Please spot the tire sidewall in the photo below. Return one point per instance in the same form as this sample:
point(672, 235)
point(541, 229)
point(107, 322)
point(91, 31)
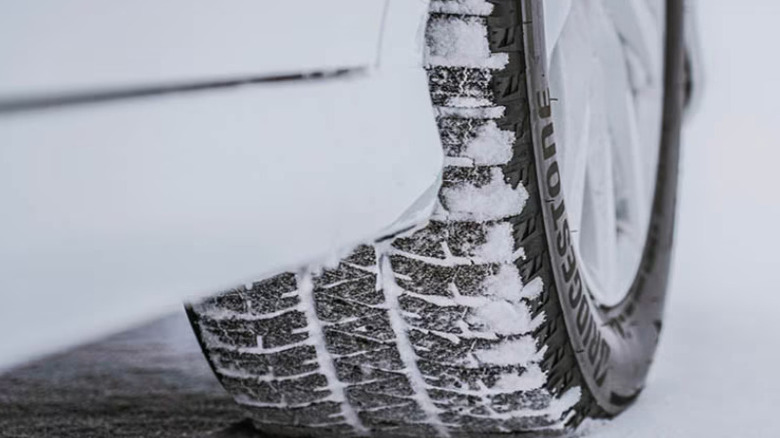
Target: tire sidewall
point(614, 346)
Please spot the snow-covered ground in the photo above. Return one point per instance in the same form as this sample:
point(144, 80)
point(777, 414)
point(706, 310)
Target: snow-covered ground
point(716, 371)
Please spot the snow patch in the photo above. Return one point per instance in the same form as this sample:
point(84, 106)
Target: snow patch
point(461, 42)
point(496, 200)
point(563, 403)
point(503, 318)
point(511, 352)
point(532, 289)
point(506, 284)
point(531, 378)
point(491, 146)
point(464, 7)
point(492, 112)
point(458, 162)
point(468, 102)
point(499, 245)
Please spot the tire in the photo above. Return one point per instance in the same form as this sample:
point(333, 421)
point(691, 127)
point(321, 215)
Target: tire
point(476, 323)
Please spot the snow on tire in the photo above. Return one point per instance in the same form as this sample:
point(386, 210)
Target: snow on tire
point(455, 328)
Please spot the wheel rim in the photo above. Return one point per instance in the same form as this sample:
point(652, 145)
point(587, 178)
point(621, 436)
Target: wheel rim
point(606, 74)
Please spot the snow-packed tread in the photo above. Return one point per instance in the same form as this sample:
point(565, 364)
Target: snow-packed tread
point(448, 330)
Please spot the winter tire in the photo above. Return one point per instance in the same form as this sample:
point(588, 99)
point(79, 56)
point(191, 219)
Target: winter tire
point(480, 322)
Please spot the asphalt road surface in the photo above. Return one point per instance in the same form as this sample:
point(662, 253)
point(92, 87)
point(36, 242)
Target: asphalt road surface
point(147, 382)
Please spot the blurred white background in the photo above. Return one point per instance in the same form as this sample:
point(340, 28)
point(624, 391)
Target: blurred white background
point(716, 371)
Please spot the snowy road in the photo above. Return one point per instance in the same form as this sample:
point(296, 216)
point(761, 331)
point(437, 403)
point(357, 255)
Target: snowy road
point(152, 381)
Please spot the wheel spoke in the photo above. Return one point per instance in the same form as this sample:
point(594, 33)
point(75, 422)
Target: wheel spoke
point(599, 239)
point(606, 72)
point(574, 183)
point(556, 13)
point(633, 204)
point(638, 28)
point(573, 116)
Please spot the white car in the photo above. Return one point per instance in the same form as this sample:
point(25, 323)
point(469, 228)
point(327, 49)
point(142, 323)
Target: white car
point(428, 218)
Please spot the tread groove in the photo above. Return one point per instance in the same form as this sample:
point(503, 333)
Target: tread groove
point(405, 348)
point(326, 365)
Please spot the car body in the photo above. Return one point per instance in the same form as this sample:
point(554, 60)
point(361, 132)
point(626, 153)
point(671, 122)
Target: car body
point(153, 152)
